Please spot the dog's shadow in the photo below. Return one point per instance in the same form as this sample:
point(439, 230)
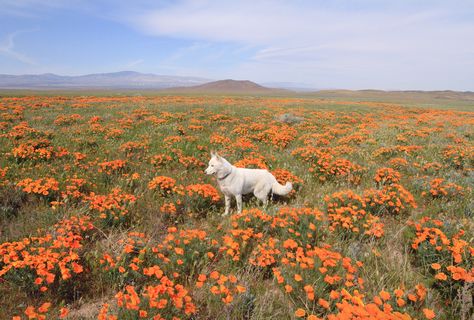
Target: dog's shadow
point(280, 199)
point(249, 200)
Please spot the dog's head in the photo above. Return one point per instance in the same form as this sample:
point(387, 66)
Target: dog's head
point(216, 164)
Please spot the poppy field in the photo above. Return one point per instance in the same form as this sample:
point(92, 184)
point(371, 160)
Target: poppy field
point(106, 213)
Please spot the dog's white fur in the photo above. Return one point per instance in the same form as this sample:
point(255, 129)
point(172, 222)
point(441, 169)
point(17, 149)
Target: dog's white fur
point(236, 182)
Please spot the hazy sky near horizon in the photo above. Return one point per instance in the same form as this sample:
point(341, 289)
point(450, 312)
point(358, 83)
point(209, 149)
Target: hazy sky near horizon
point(351, 44)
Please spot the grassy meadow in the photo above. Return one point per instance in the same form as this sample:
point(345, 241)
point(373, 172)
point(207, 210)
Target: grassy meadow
point(106, 213)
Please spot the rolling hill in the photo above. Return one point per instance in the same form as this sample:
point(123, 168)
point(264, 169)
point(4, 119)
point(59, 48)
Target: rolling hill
point(229, 86)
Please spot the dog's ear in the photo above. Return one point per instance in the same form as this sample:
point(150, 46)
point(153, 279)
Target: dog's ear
point(213, 154)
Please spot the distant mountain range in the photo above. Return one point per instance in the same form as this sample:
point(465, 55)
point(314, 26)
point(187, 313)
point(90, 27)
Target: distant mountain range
point(131, 80)
point(114, 80)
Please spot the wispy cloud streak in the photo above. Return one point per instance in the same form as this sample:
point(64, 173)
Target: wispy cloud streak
point(7, 48)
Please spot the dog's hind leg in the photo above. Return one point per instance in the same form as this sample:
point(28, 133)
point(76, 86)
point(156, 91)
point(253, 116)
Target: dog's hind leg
point(227, 205)
point(238, 199)
point(261, 192)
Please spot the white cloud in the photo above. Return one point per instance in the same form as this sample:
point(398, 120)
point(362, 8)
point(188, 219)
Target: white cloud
point(7, 48)
point(270, 22)
point(363, 41)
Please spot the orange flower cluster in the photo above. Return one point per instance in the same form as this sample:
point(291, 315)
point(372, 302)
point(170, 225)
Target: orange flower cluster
point(245, 129)
point(356, 138)
point(400, 298)
point(284, 176)
point(392, 198)
point(62, 120)
point(195, 127)
point(222, 286)
point(432, 166)
point(257, 162)
point(387, 176)
point(114, 166)
point(171, 140)
point(398, 163)
point(75, 189)
point(310, 154)
point(453, 255)
point(194, 197)
point(326, 167)
point(255, 218)
point(37, 263)
point(353, 308)
point(305, 224)
point(168, 208)
point(337, 168)
point(243, 143)
point(278, 136)
point(190, 162)
point(440, 188)
point(95, 119)
point(164, 184)
point(22, 130)
point(206, 191)
point(248, 227)
point(133, 245)
point(384, 305)
point(44, 186)
point(163, 296)
point(217, 139)
point(396, 150)
point(347, 212)
point(160, 160)
point(174, 255)
point(112, 207)
point(3, 173)
point(459, 156)
point(114, 133)
point(133, 147)
point(43, 312)
point(154, 301)
point(311, 275)
point(185, 249)
point(265, 254)
point(34, 150)
point(446, 258)
point(237, 239)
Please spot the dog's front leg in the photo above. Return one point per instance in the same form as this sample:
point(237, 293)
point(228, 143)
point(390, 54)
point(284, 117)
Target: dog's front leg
point(265, 203)
point(238, 199)
point(227, 204)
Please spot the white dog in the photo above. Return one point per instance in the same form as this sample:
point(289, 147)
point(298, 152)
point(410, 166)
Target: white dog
point(235, 182)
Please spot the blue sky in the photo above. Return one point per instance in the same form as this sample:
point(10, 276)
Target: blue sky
point(352, 44)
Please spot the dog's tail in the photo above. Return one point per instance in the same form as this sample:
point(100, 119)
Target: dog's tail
point(282, 190)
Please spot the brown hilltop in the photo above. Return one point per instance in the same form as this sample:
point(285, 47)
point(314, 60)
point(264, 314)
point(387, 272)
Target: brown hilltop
point(228, 86)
